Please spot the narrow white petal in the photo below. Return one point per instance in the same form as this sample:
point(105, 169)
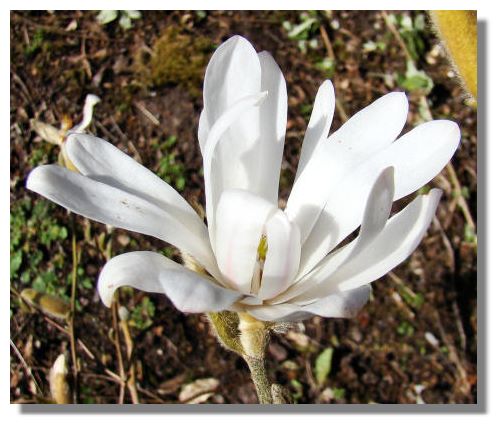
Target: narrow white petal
point(374, 127)
point(105, 163)
point(152, 272)
point(397, 241)
point(240, 223)
point(311, 190)
point(278, 313)
point(375, 217)
point(114, 206)
point(233, 72)
point(400, 237)
point(217, 179)
point(366, 133)
point(283, 255)
point(203, 130)
point(319, 124)
point(417, 157)
point(344, 304)
point(341, 303)
point(273, 117)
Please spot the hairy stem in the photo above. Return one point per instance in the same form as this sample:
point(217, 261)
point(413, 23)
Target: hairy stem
point(260, 380)
point(254, 339)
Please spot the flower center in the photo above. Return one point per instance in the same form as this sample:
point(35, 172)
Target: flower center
point(261, 254)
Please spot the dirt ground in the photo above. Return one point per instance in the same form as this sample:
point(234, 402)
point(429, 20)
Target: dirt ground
point(414, 342)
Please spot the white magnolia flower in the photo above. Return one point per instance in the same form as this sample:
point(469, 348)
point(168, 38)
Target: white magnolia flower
point(275, 265)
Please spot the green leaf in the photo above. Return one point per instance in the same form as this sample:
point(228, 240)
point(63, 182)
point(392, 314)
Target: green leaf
point(15, 262)
point(323, 365)
point(142, 314)
point(133, 14)
point(415, 80)
point(338, 393)
point(106, 16)
point(125, 22)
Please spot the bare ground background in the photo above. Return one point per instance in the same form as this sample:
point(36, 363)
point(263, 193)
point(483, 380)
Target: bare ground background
point(415, 341)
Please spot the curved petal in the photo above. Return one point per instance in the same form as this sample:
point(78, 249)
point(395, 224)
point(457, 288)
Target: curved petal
point(273, 117)
point(366, 133)
point(340, 304)
point(283, 255)
point(217, 179)
point(203, 130)
point(376, 214)
point(400, 237)
point(240, 222)
point(278, 313)
point(398, 240)
point(103, 162)
point(114, 206)
point(319, 124)
point(417, 157)
point(152, 272)
point(233, 72)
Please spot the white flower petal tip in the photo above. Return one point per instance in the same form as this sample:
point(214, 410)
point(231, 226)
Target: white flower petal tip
point(152, 272)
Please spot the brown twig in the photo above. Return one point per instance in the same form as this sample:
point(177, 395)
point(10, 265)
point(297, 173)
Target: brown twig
point(131, 381)
point(392, 28)
point(27, 369)
point(331, 55)
point(130, 144)
point(118, 351)
point(56, 30)
point(71, 318)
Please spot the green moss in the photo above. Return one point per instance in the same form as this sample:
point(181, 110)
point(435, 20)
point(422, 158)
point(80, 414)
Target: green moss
point(175, 58)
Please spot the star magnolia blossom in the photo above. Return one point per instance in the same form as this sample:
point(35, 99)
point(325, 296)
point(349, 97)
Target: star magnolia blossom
point(275, 265)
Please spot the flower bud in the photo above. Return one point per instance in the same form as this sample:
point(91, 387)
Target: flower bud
point(60, 389)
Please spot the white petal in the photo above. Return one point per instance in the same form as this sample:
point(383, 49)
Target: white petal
point(341, 303)
point(240, 222)
point(283, 255)
point(233, 72)
point(398, 240)
point(105, 163)
point(273, 117)
point(311, 190)
point(319, 124)
point(376, 213)
point(366, 133)
point(374, 127)
point(152, 272)
point(203, 130)
point(344, 304)
point(114, 206)
point(217, 178)
point(400, 237)
point(278, 313)
point(417, 157)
